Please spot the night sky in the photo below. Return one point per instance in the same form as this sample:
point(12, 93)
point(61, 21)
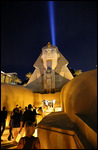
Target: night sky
point(25, 29)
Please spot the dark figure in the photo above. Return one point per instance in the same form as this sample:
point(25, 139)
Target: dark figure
point(10, 129)
point(29, 141)
point(15, 123)
point(20, 111)
point(3, 119)
point(28, 115)
point(34, 111)
point(17, 107)
point(40, 111)
point(25, 108)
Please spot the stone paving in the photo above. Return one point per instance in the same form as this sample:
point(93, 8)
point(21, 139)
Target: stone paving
point(6, 144)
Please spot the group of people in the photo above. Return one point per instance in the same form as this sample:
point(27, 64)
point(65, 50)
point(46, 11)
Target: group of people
point(23, 124)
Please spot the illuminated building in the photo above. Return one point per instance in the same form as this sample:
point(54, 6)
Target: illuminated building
point(8, 77)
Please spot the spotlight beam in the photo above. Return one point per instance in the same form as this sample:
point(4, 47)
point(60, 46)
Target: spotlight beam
point(51, 17)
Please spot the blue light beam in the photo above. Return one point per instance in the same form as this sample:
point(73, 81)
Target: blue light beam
point(51, 17)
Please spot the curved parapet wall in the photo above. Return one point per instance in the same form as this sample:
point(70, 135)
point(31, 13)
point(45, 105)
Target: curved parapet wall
point(79, 98)
point(15, 94)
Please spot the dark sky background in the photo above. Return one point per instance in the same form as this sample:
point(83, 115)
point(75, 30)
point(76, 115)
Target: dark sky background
point(25, 29)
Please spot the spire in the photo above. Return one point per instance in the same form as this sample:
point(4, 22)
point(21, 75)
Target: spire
point(49, 44)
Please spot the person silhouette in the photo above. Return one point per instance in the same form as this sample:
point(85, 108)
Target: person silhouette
point(28, 115)
point(3, 119)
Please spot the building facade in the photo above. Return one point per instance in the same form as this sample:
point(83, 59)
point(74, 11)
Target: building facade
point(8, 77)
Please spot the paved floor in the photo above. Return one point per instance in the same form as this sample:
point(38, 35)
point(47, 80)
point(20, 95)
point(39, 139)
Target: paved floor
point(6, 144)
